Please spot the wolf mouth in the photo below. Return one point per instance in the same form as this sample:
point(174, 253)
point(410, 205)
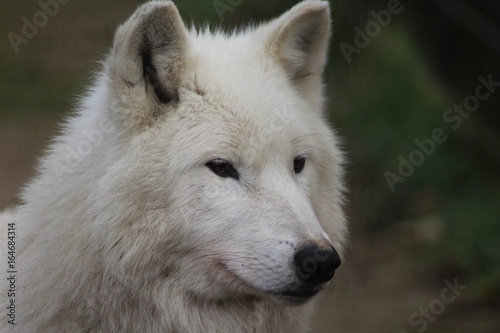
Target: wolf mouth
point(298, 296)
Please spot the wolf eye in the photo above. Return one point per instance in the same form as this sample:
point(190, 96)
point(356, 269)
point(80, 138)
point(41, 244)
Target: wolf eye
point(222, 168)
point(298, 164)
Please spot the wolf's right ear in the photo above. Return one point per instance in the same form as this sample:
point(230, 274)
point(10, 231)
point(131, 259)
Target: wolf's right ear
point(147, 59)
point(299, 41)
point(299, 38)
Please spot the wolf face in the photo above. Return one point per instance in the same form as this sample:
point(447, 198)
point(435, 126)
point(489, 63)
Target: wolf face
point(233, 180)
point(209, 189)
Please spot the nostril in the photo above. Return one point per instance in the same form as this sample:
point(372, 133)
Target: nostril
point(315, 265)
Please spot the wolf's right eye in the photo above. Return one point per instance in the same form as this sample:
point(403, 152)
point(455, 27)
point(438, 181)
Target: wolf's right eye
point(223, 168)
point(298, 164)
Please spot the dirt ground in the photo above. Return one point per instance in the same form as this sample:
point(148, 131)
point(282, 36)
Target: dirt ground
point(381, 286)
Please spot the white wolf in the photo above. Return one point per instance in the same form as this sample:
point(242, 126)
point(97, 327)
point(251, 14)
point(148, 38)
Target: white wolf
point(197, 189)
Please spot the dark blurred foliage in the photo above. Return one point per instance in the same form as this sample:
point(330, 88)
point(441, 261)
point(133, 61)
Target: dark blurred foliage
point(428, 59)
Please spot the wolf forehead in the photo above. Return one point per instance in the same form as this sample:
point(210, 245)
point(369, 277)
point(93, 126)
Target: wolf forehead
point(240, 129)
point(233, 74)
point(238, 96)
point(243, 107)
point(280, 62)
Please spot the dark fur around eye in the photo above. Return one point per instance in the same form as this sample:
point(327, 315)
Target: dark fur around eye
point(222, 168)
point(298, 164)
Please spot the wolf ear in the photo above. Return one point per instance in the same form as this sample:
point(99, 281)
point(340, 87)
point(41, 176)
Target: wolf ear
point(299, 40)
point(147, 59)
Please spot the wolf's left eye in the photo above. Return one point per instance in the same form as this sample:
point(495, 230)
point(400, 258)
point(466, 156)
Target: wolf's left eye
point(298, 164)
point(223, 168)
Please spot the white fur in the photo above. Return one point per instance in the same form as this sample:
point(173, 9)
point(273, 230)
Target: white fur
point(126, 230)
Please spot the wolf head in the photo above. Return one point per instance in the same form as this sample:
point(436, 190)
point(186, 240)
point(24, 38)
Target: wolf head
point(225, 181)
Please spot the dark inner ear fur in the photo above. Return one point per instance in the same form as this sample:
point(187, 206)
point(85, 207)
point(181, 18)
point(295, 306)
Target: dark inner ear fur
point(304, 42)
point(150, 73)
point(305, 39)
point(300, 41)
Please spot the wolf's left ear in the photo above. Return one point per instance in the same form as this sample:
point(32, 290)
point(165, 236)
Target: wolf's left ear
point(299, 39)
point(147, 60)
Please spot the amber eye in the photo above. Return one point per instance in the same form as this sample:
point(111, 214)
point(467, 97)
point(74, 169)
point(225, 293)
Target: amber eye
point(298, 164)
point(222, 168)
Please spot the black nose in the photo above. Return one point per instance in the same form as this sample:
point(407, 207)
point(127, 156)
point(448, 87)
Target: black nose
point(315, 265)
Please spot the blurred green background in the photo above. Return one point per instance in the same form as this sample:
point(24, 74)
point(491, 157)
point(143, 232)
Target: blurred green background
point(441, 223)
